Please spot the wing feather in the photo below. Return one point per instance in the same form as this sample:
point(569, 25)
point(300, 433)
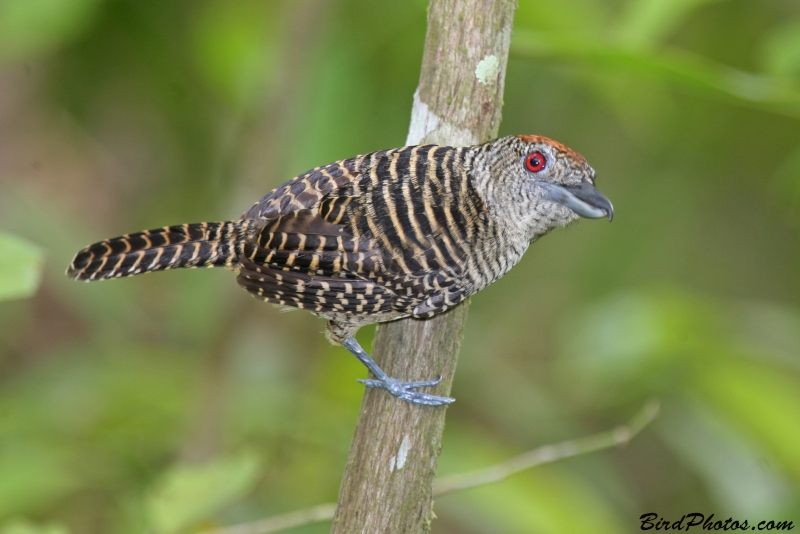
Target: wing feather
point(364, 235)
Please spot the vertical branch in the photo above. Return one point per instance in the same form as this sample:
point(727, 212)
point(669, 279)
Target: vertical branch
point(388, 481)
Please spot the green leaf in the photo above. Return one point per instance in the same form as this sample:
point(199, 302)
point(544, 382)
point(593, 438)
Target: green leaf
point(760, 400)
point(781, 56)
point(672, 65)
point(649, 21)
point(723, 457)
point(31, 27)
point(639, 340)
point(187, 495)
point(20, 267)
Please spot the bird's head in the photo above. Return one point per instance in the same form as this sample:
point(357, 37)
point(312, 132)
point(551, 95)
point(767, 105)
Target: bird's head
point(546, 184)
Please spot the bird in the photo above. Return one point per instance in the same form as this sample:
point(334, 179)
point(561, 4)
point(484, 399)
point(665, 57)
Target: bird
point(405, 232)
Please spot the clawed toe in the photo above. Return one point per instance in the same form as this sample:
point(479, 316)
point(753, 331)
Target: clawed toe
point(405, 390)
point(401, 390)
point(423, 383)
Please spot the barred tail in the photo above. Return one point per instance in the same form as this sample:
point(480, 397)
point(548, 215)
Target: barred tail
point(190, 245)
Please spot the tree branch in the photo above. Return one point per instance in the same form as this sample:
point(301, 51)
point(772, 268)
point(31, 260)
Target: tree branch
point(546, 454)
point(388, 482)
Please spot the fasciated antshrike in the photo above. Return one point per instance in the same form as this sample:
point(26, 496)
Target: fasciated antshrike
point(410, 231)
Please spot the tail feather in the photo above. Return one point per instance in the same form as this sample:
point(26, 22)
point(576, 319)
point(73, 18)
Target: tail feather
point(215, 244)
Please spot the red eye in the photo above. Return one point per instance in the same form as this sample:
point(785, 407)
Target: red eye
point(535, 161)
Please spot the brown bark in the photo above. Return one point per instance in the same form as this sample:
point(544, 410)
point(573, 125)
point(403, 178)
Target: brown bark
point(388, 481)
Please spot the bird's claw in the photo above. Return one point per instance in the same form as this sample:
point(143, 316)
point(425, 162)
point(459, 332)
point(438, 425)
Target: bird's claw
point(405, 390)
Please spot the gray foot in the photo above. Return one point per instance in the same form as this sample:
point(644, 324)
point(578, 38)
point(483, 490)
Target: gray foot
point(405, 390)
point(401, 390)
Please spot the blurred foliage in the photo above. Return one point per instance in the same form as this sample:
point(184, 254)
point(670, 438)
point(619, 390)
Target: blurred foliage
point(233, 49)
point(25, 527)
point(188, 494)
point(20, 267)
point(174, 402)
point(29, 28)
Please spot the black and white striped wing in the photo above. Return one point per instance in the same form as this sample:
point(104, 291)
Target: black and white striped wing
point(416, 204)
point(304, 261)
point(393, 238)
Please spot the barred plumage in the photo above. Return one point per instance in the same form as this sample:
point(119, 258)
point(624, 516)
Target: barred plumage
point(410, 231)
point(187, 245)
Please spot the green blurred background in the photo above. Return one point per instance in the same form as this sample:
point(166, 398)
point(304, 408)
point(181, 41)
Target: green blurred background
point(175, 402)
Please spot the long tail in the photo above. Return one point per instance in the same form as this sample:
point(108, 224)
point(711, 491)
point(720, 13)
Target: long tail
point(217, 244)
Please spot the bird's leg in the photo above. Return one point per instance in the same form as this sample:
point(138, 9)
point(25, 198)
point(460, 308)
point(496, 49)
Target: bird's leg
point(401, 390)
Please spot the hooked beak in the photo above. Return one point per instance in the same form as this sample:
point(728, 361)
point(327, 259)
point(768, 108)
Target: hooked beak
point(584, 199)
